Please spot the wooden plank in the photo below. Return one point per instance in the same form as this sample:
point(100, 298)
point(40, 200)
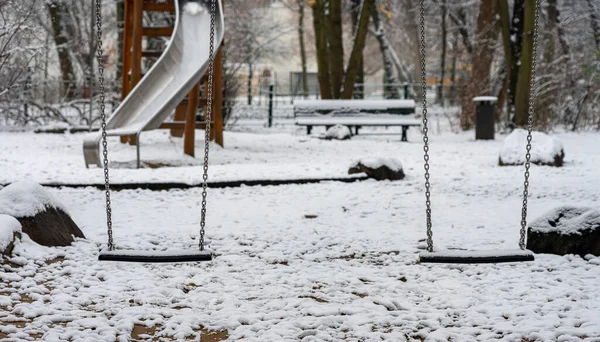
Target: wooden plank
point(189, 136)
point(218, 98)
point(152, 53)
point(201, 102)
point(166, 31)
point(159, 7)
point(181, 125)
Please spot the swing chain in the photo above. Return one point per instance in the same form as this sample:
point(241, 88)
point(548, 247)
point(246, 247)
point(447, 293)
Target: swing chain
point(425, 128)
point(207, 119)
point(100, 59)
point(530, 126)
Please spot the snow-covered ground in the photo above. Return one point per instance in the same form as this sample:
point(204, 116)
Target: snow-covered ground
point(320, 262)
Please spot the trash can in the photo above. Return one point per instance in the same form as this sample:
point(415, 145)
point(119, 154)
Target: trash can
point(485, 117)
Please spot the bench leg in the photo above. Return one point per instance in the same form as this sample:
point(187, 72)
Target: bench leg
point(308, 129)
point(404, 130)
point(356, 128)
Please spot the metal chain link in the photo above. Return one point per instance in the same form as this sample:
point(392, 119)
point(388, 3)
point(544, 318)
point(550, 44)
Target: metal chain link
point(425, 128)
point(530, 126)
point(207, 119)
point(100, 58)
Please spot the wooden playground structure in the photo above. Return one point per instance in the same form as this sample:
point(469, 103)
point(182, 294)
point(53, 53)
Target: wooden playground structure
point(185, 122)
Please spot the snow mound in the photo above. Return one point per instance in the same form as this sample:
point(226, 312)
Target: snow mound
point(8, 227)
point(393, 164)
point(545, 149)
point(26, 199)
point(337, 132)
point(193, 8)
point(567, 220)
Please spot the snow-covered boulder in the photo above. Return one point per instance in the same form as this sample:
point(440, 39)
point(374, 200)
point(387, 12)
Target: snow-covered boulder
point(378, 168)
point(337, 132)
point(41, 216)
point(10, 231)
point(545, 149)
point(566, 230)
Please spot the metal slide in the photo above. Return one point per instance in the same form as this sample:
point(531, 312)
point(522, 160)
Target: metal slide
point(172, 77)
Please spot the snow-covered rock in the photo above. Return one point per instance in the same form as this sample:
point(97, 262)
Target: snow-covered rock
point(566, 230)
point(545, 149)
point(26, 198)
point(379, 168)
point(337, 132)
point(10, 230)
point(40, 215)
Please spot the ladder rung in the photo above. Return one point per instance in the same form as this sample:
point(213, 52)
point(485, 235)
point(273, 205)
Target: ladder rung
point(158, 31)
point(159, 7)
point(152, 53)
point(201, 102)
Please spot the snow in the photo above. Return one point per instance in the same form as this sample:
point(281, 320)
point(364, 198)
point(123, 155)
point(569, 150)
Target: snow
point(8, 227)
point(485, 99)
point(350, 272)
point(571, 220)
point(26, 199)
point(543, 147)
point(338, 132)
point(393, 164)
point(358, 120)
point(302, 105)
point(193, 8)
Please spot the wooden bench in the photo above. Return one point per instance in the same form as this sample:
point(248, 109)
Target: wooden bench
point(356, 114)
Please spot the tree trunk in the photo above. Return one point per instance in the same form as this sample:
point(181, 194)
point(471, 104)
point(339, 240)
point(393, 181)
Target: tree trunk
point(359, 88)
point(57, 12)
point(302, 48)
point(120, 26)
point(336, 47)
point(546, 101)
point(413, 32)
point(479, 83)
point(249, 85)
point(595, 25)
point(391, 80)
point(359, 44)
point(440, 94)
point(523, 85)
point(516, 31)
point(509, 65)
point(318, 8)
point(454, 85)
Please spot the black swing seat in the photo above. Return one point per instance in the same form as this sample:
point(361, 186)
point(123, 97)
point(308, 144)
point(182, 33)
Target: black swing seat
point(151, 256)
point(476, 257)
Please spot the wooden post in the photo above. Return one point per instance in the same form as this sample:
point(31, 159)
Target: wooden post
point(190, 121)
point(127, 55)
point(180, 115)
point(217, 115)
point(138, 33)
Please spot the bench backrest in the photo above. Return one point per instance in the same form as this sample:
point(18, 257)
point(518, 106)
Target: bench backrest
point(352, 107)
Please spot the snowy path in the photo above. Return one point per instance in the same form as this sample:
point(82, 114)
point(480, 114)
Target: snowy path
point(348, 274)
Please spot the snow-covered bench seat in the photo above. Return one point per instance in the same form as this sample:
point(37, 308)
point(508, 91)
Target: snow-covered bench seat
point(356, 114)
